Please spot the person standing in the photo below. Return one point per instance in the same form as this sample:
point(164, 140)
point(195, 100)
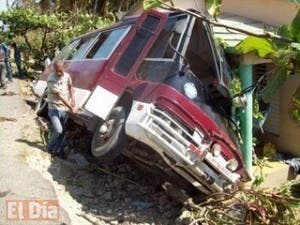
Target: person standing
point(18, 61)
point(60, 101)
point(2, 69)
point(5, 48)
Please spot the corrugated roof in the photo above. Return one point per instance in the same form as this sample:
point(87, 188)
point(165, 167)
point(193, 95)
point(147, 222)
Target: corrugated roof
point(231, 37)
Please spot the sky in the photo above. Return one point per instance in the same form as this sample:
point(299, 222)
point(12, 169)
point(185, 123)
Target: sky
point(2, 5)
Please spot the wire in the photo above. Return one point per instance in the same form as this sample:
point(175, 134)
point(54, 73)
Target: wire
point(252, 87)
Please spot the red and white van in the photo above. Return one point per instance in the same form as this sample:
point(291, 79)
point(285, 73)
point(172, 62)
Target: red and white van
point(154, 88)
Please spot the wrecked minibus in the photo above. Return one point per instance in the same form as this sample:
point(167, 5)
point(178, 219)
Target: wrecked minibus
point(155, 88)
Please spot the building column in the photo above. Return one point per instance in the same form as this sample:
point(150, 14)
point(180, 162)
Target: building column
point(246, 117)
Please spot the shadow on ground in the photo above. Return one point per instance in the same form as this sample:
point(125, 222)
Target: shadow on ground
point(31, 103)
point(34, 144)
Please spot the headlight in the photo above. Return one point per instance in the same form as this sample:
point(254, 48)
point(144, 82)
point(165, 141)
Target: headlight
point(190, 90)
point(232, 165)
point(216, 150)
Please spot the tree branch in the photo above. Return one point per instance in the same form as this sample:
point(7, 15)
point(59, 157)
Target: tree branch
point(42, 49)
point(267, 35)
point(27, 42)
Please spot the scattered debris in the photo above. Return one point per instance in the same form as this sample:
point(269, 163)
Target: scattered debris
point(79, 160)
point(142, 205)
point(291, 160)
point(4, 193)
point(9, 93)
point(115, 175)
point(248, 206)
point(3, 119)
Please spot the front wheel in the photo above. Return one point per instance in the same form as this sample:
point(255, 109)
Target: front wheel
point(41, 108)
point(109, 138)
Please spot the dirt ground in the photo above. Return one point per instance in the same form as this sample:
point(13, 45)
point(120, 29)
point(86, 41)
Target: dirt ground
point(87, 193)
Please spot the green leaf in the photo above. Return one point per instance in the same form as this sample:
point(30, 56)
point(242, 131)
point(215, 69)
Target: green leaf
point(260, 46)
point(213, 7)
point(295, 26)
point(281, 75)
point(150, 4)
point(285, 30)
point(294, 1)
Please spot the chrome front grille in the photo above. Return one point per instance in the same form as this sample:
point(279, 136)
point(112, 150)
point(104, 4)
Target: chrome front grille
point(185, 150)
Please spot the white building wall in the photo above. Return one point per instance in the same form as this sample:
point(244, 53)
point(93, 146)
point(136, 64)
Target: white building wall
point(271, 12)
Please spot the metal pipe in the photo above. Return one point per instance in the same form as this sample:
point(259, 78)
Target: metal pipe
point(246, 117)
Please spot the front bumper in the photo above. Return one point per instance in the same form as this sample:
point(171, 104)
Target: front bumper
point(185, 152)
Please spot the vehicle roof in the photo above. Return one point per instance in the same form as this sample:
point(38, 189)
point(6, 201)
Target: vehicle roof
point(125, 21)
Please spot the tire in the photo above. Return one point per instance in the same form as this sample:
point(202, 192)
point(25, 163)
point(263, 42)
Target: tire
point(107, 145)
point(41, 108)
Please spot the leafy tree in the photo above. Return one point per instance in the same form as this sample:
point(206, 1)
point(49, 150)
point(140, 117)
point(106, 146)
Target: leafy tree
point(39, 34)
point(104, 8)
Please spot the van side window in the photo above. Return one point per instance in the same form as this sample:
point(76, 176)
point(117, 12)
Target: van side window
point(159, 63)
point(170, 35)
point(200, 54)
point(137, 45)
point(67, 50)
point(81, 49)
point(107, 42)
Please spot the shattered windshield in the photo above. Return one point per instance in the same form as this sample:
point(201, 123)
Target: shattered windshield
point(183, 57)
point(159, 63)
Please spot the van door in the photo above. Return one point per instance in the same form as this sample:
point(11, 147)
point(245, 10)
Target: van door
point(120, 69)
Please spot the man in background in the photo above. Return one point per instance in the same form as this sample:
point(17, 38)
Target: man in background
point(5, 48)
point(18, 60)
point(2, 69)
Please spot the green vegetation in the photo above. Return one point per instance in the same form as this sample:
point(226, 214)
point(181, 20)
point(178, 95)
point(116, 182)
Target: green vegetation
point(295, 106)
point(41, 28)
point(38, 35)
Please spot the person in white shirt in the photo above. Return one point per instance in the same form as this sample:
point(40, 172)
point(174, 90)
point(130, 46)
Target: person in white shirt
point(60, 101)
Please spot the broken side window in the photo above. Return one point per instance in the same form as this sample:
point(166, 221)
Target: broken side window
point(159, 62)
point(205, 61)
point(66, 51)
point(199, 54)
point(170, 35)
point(137, 44)
point(107, 43)
point(80, 51)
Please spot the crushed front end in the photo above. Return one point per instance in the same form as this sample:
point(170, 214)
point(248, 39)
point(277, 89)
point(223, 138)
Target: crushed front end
point(182, 106)
point(189, 152)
